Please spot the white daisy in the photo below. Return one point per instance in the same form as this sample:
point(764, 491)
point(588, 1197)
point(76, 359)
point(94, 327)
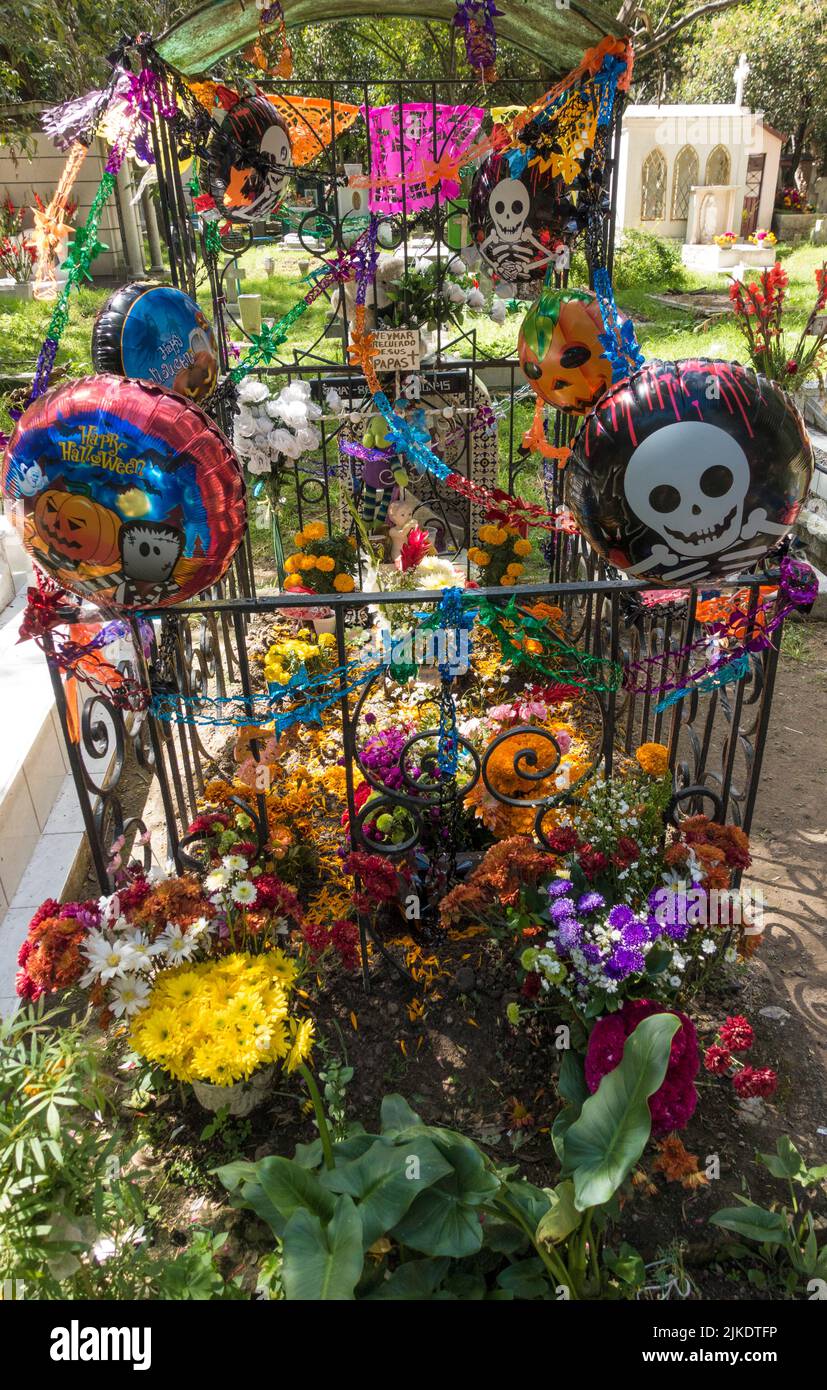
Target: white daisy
point(129, 995)
point(244, 892)
point(176, 944)
point(107, 958)
point(708, 946)
point(219, 878)
point(234, 863)
point(143, 949)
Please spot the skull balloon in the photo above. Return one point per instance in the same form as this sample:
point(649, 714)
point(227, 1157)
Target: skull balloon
point(689, 471)
point(517, 224)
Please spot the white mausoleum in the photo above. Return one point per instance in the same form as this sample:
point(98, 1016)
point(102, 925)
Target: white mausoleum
point(695, 172)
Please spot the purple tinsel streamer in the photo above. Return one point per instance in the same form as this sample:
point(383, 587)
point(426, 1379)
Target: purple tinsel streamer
point(74, 120)
point(796, 589)
point(359, 451)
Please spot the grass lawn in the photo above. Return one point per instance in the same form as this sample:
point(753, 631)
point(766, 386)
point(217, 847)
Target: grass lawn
point(663, 331)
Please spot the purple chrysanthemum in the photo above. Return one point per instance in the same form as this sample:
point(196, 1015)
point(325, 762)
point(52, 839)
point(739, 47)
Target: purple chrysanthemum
point(592, 953)
point(624, 960)
point(635, 934)
point(559, 886)
point(561, 909)
point(620, 916)
point(591, 902)
point(569, 934)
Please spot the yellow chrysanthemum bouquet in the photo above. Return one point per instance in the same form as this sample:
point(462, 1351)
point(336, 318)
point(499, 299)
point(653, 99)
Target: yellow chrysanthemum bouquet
point(287, 655)
point(220, 1021)
point(321, 564)
point(500, 555)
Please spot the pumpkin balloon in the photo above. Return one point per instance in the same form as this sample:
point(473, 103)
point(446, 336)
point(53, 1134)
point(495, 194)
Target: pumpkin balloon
point(123, 492)
point(249, 161)
point(689, 471)
point(517, 221)
point(156, 333)
point(560, 350)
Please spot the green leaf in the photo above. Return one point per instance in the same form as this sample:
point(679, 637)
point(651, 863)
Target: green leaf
point(397, 1115)
point(752, 1223)
point(571, 1083)
point(414, 1281)
point(387, 1180)
point(562, 1216)
point(604, 1144)
point(289, 1187)
point(526, 1279)
point(786, 1162)
point(323, 1262)
point(441, 1223)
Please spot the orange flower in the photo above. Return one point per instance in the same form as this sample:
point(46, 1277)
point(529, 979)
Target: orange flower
point(653, 758)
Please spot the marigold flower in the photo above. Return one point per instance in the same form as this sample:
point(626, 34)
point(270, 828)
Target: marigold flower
point(653, 759)
point(343, 583)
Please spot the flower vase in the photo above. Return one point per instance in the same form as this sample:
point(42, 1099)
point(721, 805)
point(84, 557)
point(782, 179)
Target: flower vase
point(327, 624)
point(241, 1098)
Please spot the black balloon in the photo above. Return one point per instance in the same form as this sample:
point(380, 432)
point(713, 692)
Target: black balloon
point(249, 161)
point(156, 333)
point(689, 471)
point(516, 222)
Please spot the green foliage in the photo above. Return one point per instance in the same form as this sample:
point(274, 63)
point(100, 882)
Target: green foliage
point(786, 1238)
point(643, 259)
point(418, 1211)
point(72, 1218)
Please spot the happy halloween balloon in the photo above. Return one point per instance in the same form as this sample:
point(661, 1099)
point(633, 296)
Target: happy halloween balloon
point(516, 219)
point(689, 471)
point(124, 493)
point(249, 161)
point(560, 351)
point(156, 333)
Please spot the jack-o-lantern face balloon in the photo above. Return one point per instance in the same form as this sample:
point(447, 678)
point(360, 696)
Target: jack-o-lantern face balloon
point(76, 530)
point(689, 472)
point(560, 350)
point(249, 161)
point(123, 492)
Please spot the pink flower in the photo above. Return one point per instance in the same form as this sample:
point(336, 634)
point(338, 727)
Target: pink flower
point(532, 709)
point(673, 1105)
point(502, 714)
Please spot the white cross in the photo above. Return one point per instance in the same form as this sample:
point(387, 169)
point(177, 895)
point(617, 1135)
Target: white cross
point(741, 73)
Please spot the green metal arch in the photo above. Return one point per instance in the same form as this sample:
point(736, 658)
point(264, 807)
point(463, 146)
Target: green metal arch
point(558, 35)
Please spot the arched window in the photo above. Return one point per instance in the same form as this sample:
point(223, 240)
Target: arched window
point(685, 175)
point(717, 165)
point(653, 188)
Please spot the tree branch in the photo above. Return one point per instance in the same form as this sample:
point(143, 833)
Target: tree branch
point(666, 35)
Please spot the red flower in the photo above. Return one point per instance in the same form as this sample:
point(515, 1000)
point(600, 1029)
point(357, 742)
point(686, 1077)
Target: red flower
point(717, 1060)
point(531, 985)
point(380, 881)
point(627, 852)
point(755, 1081)
point(592, 862)
point(737, 1034)
point(562, 840)
point(415, 548)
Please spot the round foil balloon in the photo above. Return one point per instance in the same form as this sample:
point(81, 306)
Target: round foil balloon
point(689, 471)
point(516, 221)
point(560, 350)
point(249, 160)
point(124, 493)
point(156, 333)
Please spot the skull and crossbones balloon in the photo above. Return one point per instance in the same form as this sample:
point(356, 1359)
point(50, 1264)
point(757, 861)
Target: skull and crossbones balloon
point(516, 224)
point(249, 161)
point(689, 471)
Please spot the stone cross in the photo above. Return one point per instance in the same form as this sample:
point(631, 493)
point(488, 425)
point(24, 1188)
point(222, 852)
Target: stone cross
point(741, 73)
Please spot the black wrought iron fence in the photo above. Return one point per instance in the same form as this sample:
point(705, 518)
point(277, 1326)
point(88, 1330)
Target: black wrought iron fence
point(200, 655)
